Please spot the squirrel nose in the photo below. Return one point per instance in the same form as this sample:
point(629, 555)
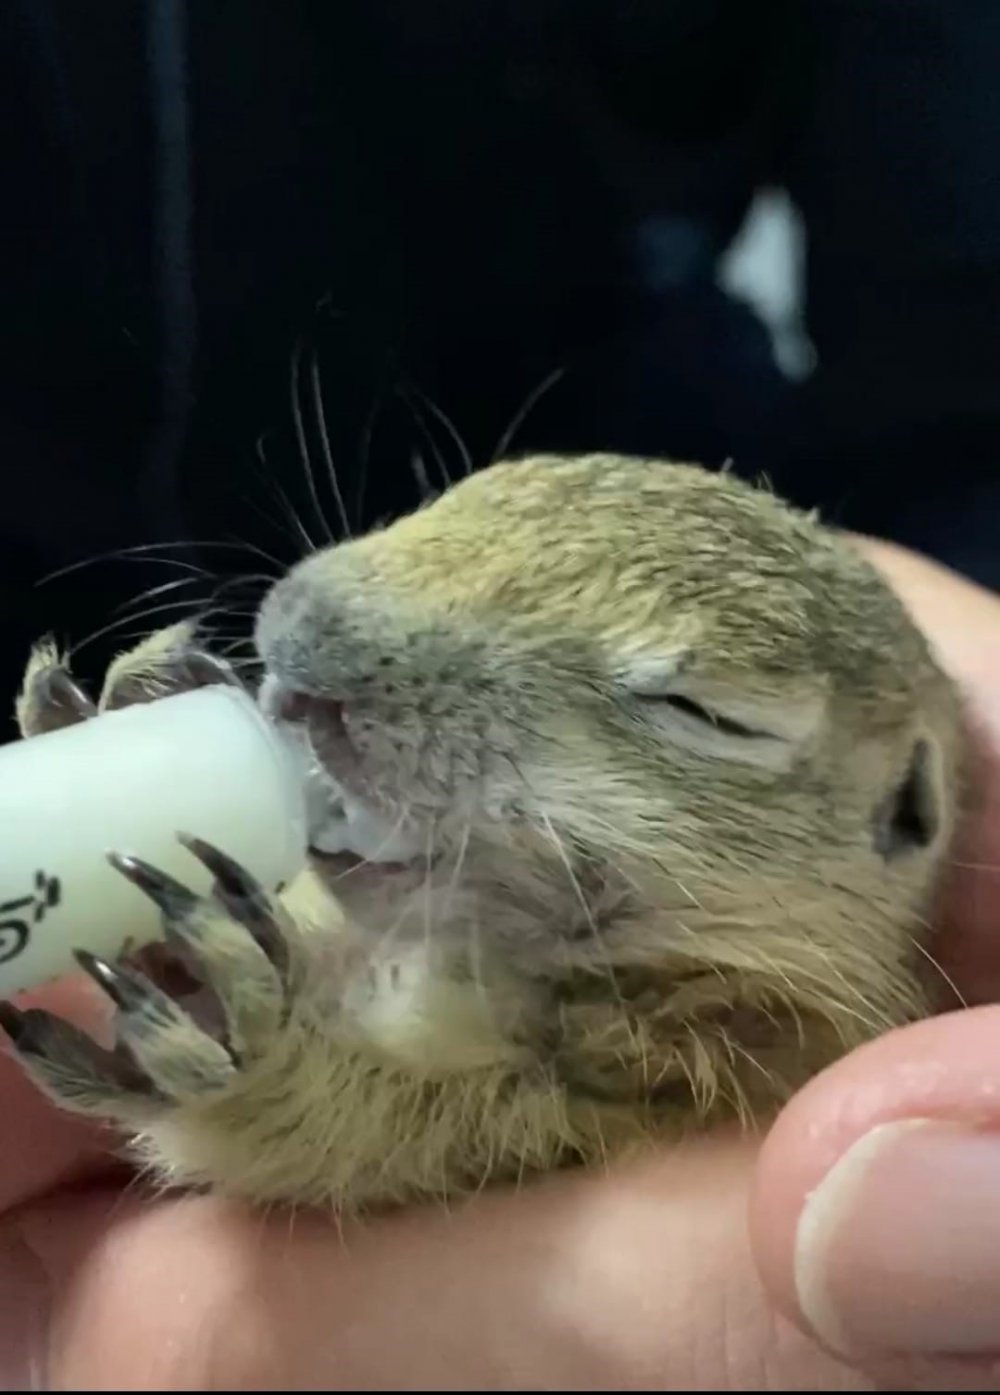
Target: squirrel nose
point(291, 705)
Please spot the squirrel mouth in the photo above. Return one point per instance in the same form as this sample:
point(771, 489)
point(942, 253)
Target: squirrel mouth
point(345, 832)
point(295, 707)
point(347, 829)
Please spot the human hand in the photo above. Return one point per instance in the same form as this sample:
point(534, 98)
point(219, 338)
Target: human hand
point(876, 1214)
point(646, 1277)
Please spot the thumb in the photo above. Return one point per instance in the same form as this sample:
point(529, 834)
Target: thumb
point(635, 1280)
point(876, 1208)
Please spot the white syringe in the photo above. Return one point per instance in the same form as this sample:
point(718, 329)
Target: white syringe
point(206, 763)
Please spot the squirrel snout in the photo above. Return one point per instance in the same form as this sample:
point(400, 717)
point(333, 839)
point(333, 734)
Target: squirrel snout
point(297, 708)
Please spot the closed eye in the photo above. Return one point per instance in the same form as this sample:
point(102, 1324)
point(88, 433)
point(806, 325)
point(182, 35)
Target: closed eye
point(681, 703)
point(768, 727)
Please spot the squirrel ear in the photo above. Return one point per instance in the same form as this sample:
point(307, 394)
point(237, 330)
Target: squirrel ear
point(910, 817)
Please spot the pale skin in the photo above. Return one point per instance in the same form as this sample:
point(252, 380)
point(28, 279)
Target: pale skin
point(647, 1276)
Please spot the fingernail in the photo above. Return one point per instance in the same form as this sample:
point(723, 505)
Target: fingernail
point(24, 1308)
point(898, 1249)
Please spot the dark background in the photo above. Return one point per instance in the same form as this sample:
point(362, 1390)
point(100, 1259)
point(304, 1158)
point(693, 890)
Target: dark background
point(444, 203)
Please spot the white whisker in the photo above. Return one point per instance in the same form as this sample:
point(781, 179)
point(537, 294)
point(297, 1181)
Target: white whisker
point(301, 533)
point(429, 884)
point(530, 402)
point(114, 625)
point(153, 591)
point(450, 427)
point(302, 443)
point(317, 397)
point(405, 396)
point(146, 553)
point(419, 469)
point(453, 880)
point(364, 457)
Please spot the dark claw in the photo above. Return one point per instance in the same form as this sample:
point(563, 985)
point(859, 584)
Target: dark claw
point(64, 701)
point(227, 872)
point(243, 898)
point(133, 994)
point(170, 896)
point(126, 991)
point(13, 1021)
point(67, 1051)
point(206, 670)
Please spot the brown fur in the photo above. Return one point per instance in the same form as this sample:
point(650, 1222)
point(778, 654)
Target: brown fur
point(628, 921)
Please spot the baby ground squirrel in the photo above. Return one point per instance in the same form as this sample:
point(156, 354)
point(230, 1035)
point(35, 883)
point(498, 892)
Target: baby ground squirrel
point(668, 775)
